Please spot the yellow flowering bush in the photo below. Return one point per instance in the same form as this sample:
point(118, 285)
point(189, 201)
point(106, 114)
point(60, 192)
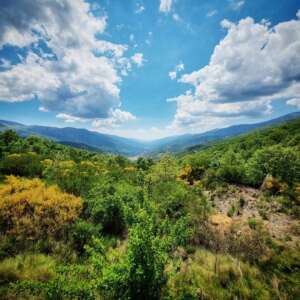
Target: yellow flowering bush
point(30, 209)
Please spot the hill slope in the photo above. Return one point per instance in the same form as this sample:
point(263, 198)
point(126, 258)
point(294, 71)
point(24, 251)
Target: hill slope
point(83, 138)
point(183, 142)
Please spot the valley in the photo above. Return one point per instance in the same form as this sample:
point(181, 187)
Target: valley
point(214, 222)
point(95, 141)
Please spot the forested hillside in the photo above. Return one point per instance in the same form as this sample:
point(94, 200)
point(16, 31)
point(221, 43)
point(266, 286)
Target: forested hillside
point(95, 141)
point(218, 223)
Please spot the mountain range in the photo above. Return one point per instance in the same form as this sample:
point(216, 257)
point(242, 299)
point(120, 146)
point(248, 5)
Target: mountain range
point(83, 138)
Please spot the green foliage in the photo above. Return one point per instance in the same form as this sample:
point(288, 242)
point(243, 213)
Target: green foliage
point(146, 262)
point(67, 284)
point(139, 229)
point(144, 163)
point(81, 233)
point(105, 208)
point(231, 168)
point(8, 137)
point(166, 169)
point(280, 162)
point(283, 266)
point(24, 164)
point(26, 267)
point(75, 178)
point(209, 276)
point(231, 211)
point(252, 223)
point(248, 159)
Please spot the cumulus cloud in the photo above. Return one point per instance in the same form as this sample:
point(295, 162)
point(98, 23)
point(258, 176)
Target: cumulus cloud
point(252, 66)
point(117, 118)
point(165, 6)
point(65, 64)
point(294, 102)
point(178, 68)
point(138, 59)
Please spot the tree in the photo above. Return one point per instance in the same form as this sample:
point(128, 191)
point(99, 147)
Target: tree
point(81, 233)
point(282, 163)
point(105, 208)
point(232, 167)
point(144, 163)
point(8, 137)
point(166, 169)
point(22, 164)
point(75, 178)
point(146, 262)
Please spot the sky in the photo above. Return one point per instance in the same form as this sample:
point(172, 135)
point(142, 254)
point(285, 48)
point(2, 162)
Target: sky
point(147, 69)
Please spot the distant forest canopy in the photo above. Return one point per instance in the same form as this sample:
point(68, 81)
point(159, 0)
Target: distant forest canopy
point(95, 141)
point(78, 224)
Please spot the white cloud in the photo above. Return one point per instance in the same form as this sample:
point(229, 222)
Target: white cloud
point(178, 68)
point(74, 73)
point(226, 24)
point(43, 109)
point(172, 75)
point(251, 67)
point(294, 102)
point(165, 6)
point(139, 8)
point(70, 119)
point(212, 13)
point(117, 118)
point(138, 59)
point(146, 134)
point(236, 4)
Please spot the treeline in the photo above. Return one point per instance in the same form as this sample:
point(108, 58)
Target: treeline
point(269, 157)
point(81, 225)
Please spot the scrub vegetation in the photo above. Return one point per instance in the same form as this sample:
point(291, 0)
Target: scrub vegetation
point(220, 222)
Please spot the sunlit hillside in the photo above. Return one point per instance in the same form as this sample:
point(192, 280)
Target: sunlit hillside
point(218, 223)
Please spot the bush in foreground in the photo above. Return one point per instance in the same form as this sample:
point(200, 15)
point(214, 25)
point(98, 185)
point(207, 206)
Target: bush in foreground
point(30, 210)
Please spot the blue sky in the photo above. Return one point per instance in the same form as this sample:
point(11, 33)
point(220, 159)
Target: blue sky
point(148, 69)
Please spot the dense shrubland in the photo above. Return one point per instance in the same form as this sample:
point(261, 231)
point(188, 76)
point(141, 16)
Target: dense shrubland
point(82, 225)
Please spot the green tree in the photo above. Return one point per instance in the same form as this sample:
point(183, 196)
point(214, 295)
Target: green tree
point(280, 162)
point(146, 262)
point(105, 208)
point(21, 164)
point(232, 167)
point(8, 137)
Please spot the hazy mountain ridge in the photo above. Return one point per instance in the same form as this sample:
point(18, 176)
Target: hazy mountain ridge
point(86, 139)
point(183, 142)
point(82, 138)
